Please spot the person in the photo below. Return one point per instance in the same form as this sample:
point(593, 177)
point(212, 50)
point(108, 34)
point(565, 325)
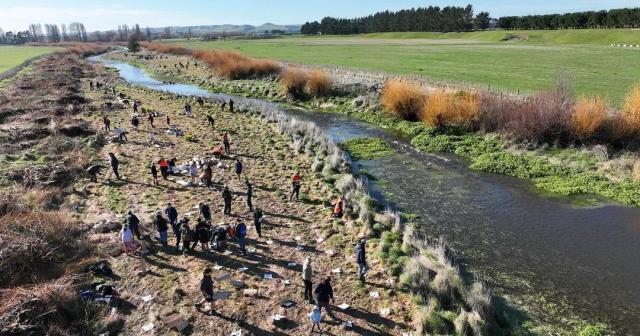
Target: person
point(168, 120)
point(226, 143)
point(135, 106)
point(296, 181)
point(205, 212)
point(113, 90)
point(210, 120)
point(94, 171)
point(122, 134)
point(91, 85)
point(187, 236)
point(223, 106)
point(162, 227)
point(203, 231)
point(152, 137)
point(238, 168)
point(361, 259)
point(127, 239)
point(324, 295)
point(315, 318)
point(338, 209)
point(206, 287)
point(258, 218)
point(172, 215)
point(218, 238)
point(208, 175)
point(114, 164)
point(217, 152)
point(134, 223)
point(187, 110)
point(249, 194)
point(164, 168)
point(107, 124)
point(178, 232)
point(154, 173)
point(307, 278)
point(151, 120)
point(241, 233)
point(200, 101)
point(135, 122)
point(226, 196)
point(193, 172)
point(231, 105)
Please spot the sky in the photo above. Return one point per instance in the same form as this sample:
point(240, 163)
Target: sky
point(108, 14)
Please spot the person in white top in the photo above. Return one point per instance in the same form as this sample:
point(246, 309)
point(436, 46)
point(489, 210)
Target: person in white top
point(193, 171)
point(127, 238)
point(315, 318)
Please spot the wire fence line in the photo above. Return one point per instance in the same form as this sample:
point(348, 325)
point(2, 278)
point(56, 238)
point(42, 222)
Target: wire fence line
point(376, 77)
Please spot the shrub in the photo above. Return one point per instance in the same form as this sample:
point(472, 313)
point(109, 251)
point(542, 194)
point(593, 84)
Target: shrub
point(594, 330)
point(167, 48)
point(436, 108)
point(441, 108)
point(293, 81)
point(402, 99)
point(494, 112)
point(631, 112)
point(588, 116)
point(318, 83)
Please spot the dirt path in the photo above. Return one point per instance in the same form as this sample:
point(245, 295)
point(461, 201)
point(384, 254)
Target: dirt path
point(292, 231)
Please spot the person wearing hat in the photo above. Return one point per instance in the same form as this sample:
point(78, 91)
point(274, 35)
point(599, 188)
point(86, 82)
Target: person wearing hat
point(315, 318)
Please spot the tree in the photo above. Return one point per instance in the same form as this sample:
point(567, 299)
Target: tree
point(149, 38)
point(482, 21)
point(133, 45)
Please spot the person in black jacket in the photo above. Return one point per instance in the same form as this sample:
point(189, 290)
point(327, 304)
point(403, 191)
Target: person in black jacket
point(114, 164)
point(203, 232)
point(226, 196)
point(162, 227)
point(172, 215)
point(249, 195)
point(205, 212)
point(206, 288)
point(324, 294)
point(134, 223)
point(238, 168)
point(361, 259)
point(257, 221)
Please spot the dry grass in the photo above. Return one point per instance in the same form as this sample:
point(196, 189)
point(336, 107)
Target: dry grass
point(631, 112)
point(441, 108)
point(87, 49)
point(402, 99)
point(51, 308)
point(318, 83)
point(293, 81)
point(588, 116)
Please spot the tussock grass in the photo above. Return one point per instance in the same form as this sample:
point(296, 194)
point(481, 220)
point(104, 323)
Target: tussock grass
point(588, 116)
point(293, 81)
point(631, 112)
point(441, 108)
point(318, 83)
point(402, 99)
point(167, 48)
point(87, 49)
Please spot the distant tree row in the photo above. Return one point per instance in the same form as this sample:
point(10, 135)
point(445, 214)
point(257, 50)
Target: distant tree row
point(614, 18)
point(429, 19)
point(73, 32)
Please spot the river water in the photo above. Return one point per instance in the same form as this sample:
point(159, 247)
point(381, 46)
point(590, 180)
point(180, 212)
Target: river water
point(583, 259)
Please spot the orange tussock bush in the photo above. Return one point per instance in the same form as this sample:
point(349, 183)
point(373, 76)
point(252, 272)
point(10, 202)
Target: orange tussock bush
point(588, 116)
point(318, 83)
point(232, 65)
point(631, 112)
point(402, 99)
point(293, 81)
point(167, 48)
point(441, 108)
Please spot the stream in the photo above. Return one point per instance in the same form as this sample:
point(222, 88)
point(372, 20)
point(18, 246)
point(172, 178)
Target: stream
point(585, 259)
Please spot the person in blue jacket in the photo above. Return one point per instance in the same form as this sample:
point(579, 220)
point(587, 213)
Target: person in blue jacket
point(241, 233)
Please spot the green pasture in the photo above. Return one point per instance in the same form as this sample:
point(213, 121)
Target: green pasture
point(10, 56)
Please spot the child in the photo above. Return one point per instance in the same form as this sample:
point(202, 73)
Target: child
point(315, 318)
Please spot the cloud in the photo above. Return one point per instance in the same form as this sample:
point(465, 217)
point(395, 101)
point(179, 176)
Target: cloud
point(19, 17)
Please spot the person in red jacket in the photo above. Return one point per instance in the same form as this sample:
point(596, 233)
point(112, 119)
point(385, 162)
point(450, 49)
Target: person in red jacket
point(296, 182)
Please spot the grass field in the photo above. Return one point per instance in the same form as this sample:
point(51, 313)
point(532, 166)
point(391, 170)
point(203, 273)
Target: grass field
point(11, 56)
point(479, 59)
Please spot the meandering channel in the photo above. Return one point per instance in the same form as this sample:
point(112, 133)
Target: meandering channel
point(581, 259)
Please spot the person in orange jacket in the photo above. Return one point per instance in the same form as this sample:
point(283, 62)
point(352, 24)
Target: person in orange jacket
point(338, 208)
point(296, 182)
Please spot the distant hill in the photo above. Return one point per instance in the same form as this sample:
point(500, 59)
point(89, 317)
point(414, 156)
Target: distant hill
point(228, 28)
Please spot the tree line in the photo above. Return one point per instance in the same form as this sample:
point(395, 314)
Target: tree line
point(614, 18)
point(428, 19)
point(73, 32)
